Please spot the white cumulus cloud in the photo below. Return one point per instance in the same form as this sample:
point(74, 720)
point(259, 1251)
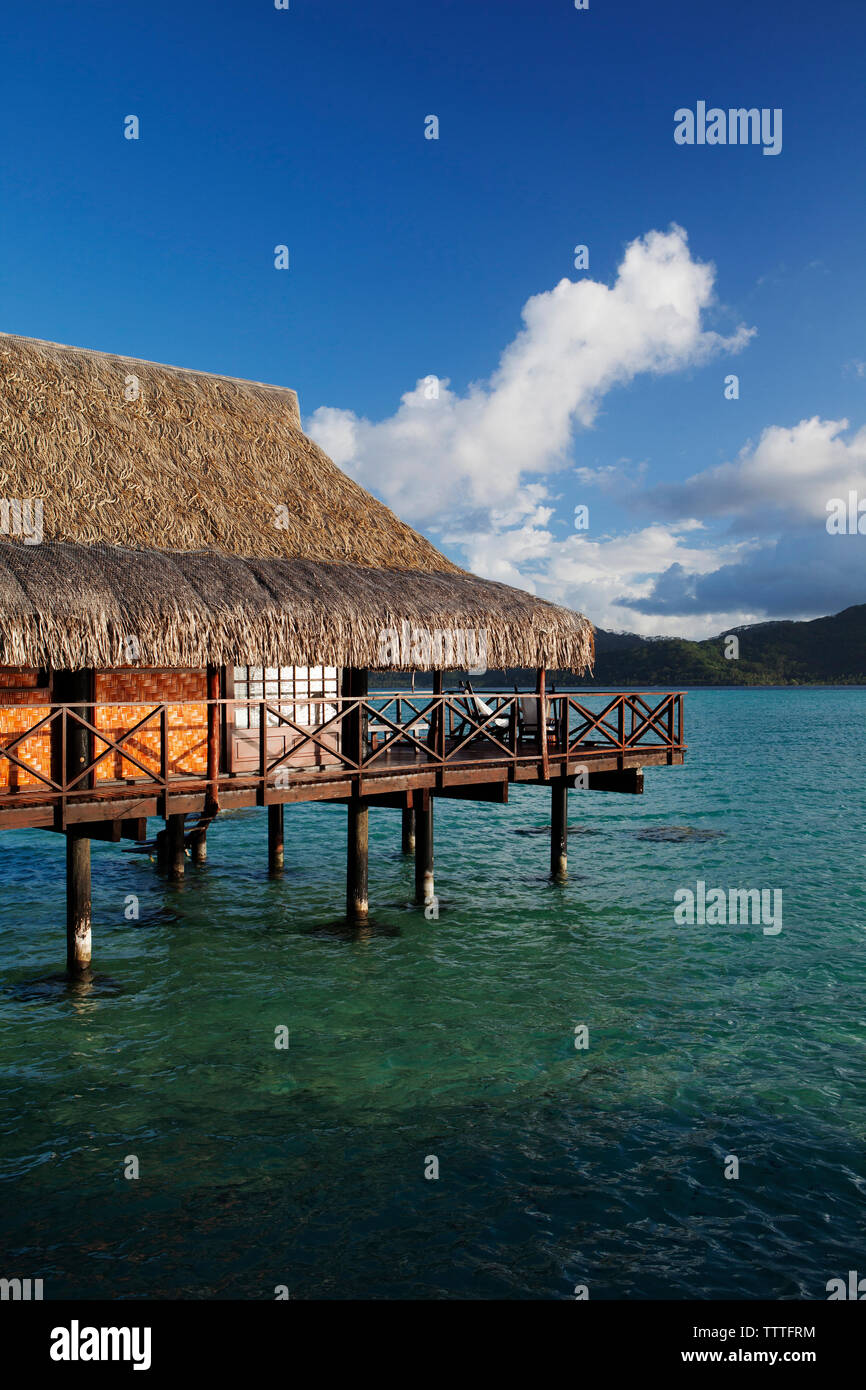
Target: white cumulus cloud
point(470, 458)
point(788, 476)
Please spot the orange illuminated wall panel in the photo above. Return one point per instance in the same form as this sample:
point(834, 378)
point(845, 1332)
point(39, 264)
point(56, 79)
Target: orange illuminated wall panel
point(121, 699)
point(187, 722)
point(23, 702)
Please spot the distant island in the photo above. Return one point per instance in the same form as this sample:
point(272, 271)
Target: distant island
point(823, 651)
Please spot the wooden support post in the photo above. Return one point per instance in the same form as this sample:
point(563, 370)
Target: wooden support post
point(408, 845)
point(437, 723)
point(559, 828)
point(214, 739)
point(74, 688)
point(355, 683)
point(175, 846)
point(541, 696)
point(276, 856)
point(424, 849)
point(357, 905)
point(78, 904)
point(198, 845)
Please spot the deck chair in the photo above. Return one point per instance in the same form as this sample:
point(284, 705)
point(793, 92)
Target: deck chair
point(527, 717)
point(478, 710)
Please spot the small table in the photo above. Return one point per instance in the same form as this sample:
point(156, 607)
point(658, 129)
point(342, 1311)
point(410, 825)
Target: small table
point(378, 733)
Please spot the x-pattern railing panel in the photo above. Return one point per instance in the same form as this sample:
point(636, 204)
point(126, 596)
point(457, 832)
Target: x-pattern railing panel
point(314, 735)
point(566, 720)
point(46, 722)
point(592, 722)
point(651, 719)
point(401, 733)
point(112, 745)
point(480, 723)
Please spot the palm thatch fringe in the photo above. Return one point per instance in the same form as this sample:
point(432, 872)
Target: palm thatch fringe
point(70, 606)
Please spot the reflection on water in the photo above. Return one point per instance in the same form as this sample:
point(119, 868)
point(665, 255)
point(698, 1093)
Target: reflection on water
point(62, 988)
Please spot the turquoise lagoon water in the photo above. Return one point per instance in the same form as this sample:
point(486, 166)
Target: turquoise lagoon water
point(455, 1039)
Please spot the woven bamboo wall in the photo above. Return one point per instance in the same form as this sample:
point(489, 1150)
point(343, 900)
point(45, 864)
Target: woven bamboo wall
point(20, 687)
point(187, 724)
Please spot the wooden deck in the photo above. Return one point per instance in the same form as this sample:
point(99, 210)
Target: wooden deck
point(383, 747)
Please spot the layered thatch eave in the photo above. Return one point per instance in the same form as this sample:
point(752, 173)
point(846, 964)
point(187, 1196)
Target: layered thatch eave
point(198, 520)
point(71, 605)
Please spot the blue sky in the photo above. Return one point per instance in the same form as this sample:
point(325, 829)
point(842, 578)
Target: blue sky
point(412, 258)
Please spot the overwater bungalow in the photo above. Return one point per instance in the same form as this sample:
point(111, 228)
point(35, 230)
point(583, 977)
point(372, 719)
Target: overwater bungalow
point(193, 597)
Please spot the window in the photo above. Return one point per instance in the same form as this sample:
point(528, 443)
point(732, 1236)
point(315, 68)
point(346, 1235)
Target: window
point(290, 689)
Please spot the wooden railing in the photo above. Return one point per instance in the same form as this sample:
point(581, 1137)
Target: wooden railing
point(382, 732)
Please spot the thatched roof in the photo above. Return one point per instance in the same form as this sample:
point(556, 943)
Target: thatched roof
point(200, 519)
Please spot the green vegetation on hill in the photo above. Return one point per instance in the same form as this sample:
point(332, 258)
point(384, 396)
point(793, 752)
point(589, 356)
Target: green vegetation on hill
point(824, 651)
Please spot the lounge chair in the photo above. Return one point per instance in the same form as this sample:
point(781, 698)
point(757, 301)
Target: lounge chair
point(478, 711)
point(528, 707)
